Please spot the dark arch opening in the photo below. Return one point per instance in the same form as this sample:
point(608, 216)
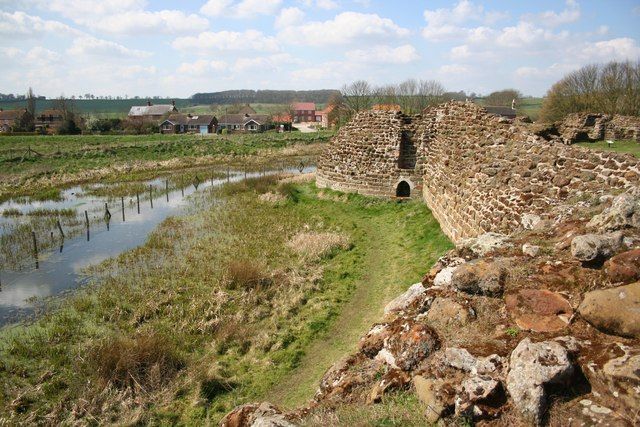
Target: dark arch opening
point(403, 189)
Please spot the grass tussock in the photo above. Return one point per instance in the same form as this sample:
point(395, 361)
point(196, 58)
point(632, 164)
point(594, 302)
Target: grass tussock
point(246, 274)
point(11, 212)
point(316, 245)
point(42, 212)
point(143, 363)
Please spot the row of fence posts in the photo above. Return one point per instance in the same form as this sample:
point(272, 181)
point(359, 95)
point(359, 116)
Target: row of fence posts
point(107, 213)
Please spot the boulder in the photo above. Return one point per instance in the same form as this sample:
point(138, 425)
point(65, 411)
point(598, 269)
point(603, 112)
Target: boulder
point(624, 267)
point(624, 212)
point(427, 390)
point(532, 367)
point(487, 242)
point(443, 278)
point(407, 344)
point(539, 310)
point(530, 250)
point(447, 311)
point(623, 375)
point(477, 397)
point(400, 303)
point(481, 277)
point(614, 310)
point(594, 247)
point(460, 358)
point(256, 415)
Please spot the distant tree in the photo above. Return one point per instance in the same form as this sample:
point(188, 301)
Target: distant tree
point(612, 88)
point(70, 119)
point(430, 92)
point(28, 119)
point(357, 96)
point(503, 97)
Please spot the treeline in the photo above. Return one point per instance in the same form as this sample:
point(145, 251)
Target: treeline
point(264, 96)
point(612, 88)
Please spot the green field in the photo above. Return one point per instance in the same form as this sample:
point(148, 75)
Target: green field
point(218, 308)
point(51, 157)
point(631, 147)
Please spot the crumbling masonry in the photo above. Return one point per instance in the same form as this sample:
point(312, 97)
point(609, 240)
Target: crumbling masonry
point(476, 172)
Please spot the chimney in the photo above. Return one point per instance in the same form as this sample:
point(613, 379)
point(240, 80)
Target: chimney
point(148, 103)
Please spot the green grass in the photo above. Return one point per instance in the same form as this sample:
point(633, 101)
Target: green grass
point(631, 147)
point(62, 160)
point(222, 293)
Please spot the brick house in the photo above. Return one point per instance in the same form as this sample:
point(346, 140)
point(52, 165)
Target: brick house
point(322, 117)
point(48, 121)
point(303, 112)
point(11, 119)
point(152, 113)
point(188, 123)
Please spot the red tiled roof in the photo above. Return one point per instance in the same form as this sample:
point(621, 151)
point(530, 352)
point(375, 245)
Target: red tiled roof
point(298, 106)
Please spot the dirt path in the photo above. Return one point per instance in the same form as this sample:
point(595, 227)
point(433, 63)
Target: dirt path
point(365, 307)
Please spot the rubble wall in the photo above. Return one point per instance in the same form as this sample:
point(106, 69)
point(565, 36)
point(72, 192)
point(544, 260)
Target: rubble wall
point(478, 172)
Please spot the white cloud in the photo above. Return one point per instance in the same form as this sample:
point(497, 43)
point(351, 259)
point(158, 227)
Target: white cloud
point(201, 67)
point(327, 4)
point(20, 24)
point(91, 46)
point(344, 28)
point(551, 18)
point(384, 54)
point(525, 34)
point(264, 63)
point(80, 9)
point(228, 41)
point(620, 49)
point(455, 69)
point(289, 16)
point(143, 22)
point(240, 9)
point(448, 24)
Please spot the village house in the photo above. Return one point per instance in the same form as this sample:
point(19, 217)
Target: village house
point(506, 112)
point(12, 119)
point(152, 112)
point(303, 112)
point(48, 121)
point(244, 122)
point(187, 123)
point(322, 117)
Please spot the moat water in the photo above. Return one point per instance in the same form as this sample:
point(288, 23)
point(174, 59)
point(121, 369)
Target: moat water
point(25, 289)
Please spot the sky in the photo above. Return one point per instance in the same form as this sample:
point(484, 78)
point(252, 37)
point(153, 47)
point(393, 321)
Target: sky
point(177, 48)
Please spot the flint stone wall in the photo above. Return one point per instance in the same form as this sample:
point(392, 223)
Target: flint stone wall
point(477, 172)
point(597, 127)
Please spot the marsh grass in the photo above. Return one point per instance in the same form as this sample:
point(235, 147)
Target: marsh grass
point(47, 212)
point(11, 212)
point(214, 346)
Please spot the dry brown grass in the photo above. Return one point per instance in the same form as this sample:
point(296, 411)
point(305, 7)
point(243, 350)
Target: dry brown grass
point(143, 363)
point(246, 274)
point(314, 245)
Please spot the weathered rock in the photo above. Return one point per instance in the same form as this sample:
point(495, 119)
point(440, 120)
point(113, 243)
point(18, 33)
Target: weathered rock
point(539, 310)
point(624, 212)
point(448, 311)
point(427, 390)
point(256, 415)
point(614, 310)
point(408, 343)
point(475, 396)
point(443, 278)
point(594, 247)
point(400, 303)
point(392, 380)
point(530, 250)
point(529, 221)
point(624, 267)
point(486, 243)
point(533, 366)
point(373, 341)
point(623, 374)
point(460, 358)
point(481, 277)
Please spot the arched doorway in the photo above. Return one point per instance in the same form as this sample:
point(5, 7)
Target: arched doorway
point(403, 189)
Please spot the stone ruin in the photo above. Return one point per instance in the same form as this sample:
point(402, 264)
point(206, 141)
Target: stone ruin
point(581, 127)
point(536, 321)
point(476, 172)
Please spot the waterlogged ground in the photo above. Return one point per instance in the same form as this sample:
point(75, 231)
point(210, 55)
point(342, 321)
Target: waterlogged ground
point(27, 279)
point(230, 303)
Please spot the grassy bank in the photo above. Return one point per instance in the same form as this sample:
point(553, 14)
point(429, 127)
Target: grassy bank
point(631, 147)
point(218, 307)
point(62, 160)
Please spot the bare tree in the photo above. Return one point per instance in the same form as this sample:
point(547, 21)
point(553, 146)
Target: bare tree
point(430, 92)
point(612, 88)
point(357, 96)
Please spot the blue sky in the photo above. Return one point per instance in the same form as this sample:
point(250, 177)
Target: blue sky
point(169, 48)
